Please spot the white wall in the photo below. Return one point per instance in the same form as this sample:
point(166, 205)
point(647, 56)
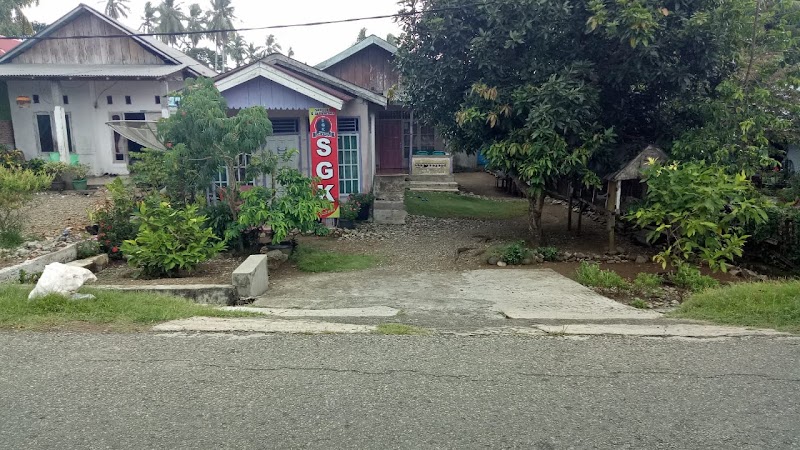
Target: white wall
point(92, 138)
point(360, 108)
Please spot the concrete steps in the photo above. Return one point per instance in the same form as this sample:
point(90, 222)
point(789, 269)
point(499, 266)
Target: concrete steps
point(433, 186)
point(389, 212)
point(389, 207)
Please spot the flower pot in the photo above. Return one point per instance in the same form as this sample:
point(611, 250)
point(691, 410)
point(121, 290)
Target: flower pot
point(57, 185)
point(80, 185)
point(347, 224)
point(363, 213)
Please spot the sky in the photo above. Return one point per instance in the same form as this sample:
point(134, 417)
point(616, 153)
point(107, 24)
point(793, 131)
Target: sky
point(311, 45)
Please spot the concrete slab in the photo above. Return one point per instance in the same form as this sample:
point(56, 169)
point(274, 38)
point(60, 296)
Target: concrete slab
point(516, 293)
point(676, 330)
point(251, 278)
point(373, 311)
point(212, 294)
point(258, 325)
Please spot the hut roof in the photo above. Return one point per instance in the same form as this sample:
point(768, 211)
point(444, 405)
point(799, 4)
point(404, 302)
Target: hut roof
point(633, 169)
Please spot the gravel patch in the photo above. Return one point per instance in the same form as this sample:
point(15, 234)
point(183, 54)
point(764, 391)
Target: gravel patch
point(51, 212)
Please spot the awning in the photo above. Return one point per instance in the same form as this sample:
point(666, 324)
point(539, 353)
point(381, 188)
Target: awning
point(122, 71)
point(143, 132)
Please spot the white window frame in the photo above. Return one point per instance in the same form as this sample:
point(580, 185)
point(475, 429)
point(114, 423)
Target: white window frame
point(355, 167)
point(70, 135)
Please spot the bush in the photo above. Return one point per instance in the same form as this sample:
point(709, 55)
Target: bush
point(170, 240)
point(647, 284)
point(17, 187)
point(777, 241)
point(548, 253)
point(590, 274)
point(690, 278)
point(87, 249)
point(514, 253)
point(113, 219)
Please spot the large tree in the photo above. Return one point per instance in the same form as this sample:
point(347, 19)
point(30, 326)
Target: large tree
point(117, 8)
point(237, 49)
point(13, 21)
point(170, 20)
point(221, 17)
point(254, 52)
point(272, 45)
point(195, 24)
point(149, 18)
point(544, 88)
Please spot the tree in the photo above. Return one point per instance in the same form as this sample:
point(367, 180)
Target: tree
point(272, 45)
point(13, 21)
point(254, 52)
point(290, 53)
point(237, 49)
point(392, 39)
point(149, 18)
point(221, 17)
point(196, 24)
point(170, 20)
point(205, 55)
point(362, 34)
point(544, 88)
point(117, 8)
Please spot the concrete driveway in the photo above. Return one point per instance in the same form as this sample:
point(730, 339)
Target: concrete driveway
point(513, 293)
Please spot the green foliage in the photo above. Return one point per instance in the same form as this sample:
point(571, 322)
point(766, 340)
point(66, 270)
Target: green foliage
point(170, 240)
point(639, 304)
point(548, 253)
point(451, 205)
point(777, 241)
point(87, 249)
point(590, 274)
point(113, 218)
point(514, 252)
point(316, 261)
point(78, 171)
point(647, 284)
point(764, 305)
point(11, 158)
point(17, 187)
point(29, 278)
point(701, 209)
point(352, 207)
point(11, 239)
point(56, 169)
point(689, 278)
point(321, 230)
point(152, 171)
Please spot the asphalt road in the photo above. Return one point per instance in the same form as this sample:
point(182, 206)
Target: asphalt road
point(290, 391)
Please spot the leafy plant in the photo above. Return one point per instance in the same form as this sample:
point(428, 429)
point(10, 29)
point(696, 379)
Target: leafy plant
point(548, 253)
point(701, 209)
point(689, 277)
point(639, 303)
point(29, 278)
point(17, 187)
point(350, 209)
point(514, 253)
point(11, 158)
point(170, 240)
point(56, 169)
point(113, 218)
point(11, 239)
point(321, 230)
point(78, 171)
point(647, 284)
point(590, 274)
point(89, 248)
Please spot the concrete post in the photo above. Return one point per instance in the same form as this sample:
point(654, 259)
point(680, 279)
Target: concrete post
point(60, 121)
point(165, 100)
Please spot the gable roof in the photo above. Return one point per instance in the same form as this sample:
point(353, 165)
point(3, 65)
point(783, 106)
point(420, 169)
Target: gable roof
point(158, 48)
point(299, 75)
point(6, 44)
point(633, 169)
point(371, 40)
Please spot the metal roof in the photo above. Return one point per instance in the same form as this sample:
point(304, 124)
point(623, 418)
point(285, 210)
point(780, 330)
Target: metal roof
point(88, 71)
point(364, 43)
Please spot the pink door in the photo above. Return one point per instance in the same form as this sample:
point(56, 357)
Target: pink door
point(390, 145)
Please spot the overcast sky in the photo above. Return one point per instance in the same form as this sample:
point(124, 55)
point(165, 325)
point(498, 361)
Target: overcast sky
point(311, 44)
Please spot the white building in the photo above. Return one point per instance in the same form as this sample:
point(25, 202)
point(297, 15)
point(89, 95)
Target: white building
point(64, 89)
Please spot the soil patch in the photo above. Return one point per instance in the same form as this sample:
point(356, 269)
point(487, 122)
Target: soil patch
point(49, 213)
point(215, 271)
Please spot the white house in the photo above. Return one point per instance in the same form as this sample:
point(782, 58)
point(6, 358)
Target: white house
point(64, 89)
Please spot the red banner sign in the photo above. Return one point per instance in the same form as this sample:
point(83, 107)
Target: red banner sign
point(325, 156)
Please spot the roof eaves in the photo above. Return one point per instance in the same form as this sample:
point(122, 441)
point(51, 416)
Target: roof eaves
point(352, 50)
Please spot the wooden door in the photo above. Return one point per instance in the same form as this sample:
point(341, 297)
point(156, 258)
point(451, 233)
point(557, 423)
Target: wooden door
point(390, 145)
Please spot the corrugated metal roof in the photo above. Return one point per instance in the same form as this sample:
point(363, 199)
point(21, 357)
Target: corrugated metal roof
point(88, 70)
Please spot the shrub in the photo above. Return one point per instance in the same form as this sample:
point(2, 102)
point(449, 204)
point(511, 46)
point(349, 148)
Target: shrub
point(590, 274)
point(349, 210)
point(702, 210)
point(170, 240)
point(548, 253)
point(17, 187)
point(640, 304)
point(113, 218)
point(647, 283)
point(87, 249)
point(514, 253)
point(690, 278)
point(11, 239)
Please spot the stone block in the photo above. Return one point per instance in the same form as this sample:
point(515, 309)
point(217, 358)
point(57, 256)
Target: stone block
point(389, 216)
point(251, 278)
point(94, 263)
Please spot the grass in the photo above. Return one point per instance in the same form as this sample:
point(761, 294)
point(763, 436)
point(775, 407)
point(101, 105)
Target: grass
point(11, 239)
point(112, 311)
point(590, 274)
point(400, 329)
point(764, 305)
point(647, 284)
point(451, 205)
point(689, 278)
point(639, 303)
point(313, 260)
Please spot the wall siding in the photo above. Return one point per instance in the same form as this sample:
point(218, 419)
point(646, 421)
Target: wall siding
point(88, 51)
point(270, 95)
point(372, 68)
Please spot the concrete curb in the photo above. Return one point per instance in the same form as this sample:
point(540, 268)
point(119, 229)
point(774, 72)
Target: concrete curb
point(36, 265)
point(212, 294)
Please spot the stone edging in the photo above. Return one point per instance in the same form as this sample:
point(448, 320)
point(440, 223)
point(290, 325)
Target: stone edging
point(36, 265)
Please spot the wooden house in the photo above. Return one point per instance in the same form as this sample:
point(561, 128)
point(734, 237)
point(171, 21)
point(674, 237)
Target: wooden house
point(62, 90)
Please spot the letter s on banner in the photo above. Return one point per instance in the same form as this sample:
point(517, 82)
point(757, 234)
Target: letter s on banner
point(325, 156)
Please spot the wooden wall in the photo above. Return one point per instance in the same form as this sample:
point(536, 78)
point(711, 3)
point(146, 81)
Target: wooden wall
point(88, 51)
point(372, 68)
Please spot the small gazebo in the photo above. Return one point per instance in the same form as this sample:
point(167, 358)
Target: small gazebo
point(627, 181)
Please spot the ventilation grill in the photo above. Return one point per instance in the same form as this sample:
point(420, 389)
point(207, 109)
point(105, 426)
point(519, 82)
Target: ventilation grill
point(348, 125)
point(285, 126)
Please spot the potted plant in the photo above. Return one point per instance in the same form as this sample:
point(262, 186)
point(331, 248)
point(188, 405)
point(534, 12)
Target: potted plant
point(365, 200)
point(58, 170)
point(348, 213)
point(79, 173)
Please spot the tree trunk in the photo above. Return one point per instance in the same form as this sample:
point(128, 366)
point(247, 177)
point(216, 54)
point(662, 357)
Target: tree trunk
point(535, 207)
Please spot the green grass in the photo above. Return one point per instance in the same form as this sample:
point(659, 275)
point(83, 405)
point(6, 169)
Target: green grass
point(647, 284)
point(763, 305)
point(639, 303)
point(451, 205)
point(313, 260)
point(690, 278)
point(115, 311)
point(400, 329)
point(11, 239)
point(590, 274)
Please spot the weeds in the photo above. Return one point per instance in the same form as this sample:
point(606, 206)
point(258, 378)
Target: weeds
point(590, 274)
point(689, 278)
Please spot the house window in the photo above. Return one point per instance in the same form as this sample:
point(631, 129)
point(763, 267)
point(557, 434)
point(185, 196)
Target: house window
point(423, 137)
point(66, 99)
point(35, 98)
point(128, 100)
point(285, 126)
point(46, 134)
point(348, 155)
point(109, 100)
point(158, 99)
point(222, 178)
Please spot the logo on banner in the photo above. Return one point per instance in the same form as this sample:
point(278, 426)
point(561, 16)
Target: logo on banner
point(325, 156)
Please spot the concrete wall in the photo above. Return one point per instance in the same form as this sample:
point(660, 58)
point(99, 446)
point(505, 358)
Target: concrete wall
point(89, 111)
